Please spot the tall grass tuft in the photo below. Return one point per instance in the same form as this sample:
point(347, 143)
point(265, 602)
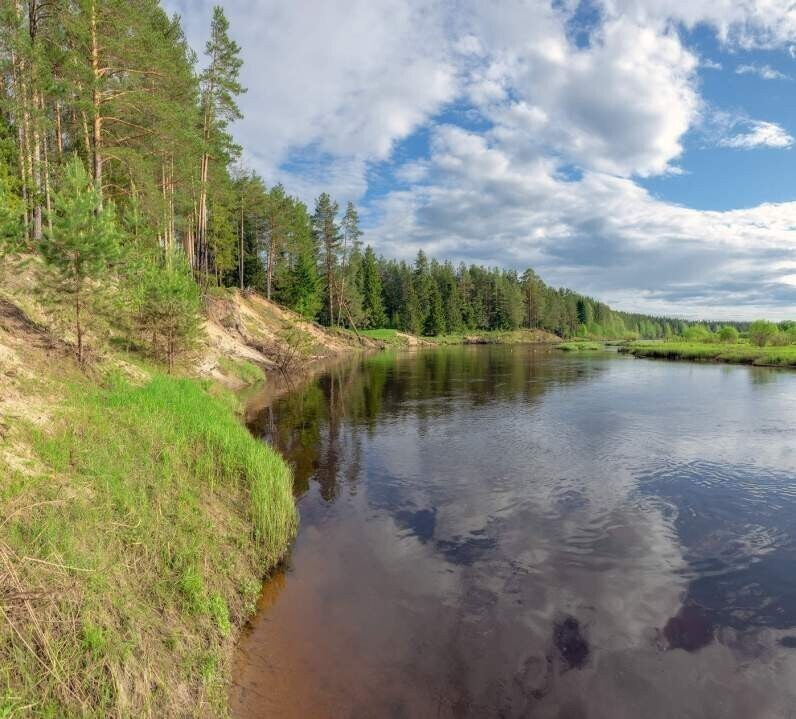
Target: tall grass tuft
point(134, 543)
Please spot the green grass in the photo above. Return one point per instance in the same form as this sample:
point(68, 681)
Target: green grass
point(390, 337)
point(138, 539)
point(395, 338)
point(504, 337)
point(581, 346)
point(715, 352)
point(247, 372)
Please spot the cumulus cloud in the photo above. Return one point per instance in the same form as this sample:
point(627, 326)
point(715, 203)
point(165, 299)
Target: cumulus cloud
point(619, 105)
point(558, 128)
point(345, 78)
point(765, 71)
point(601, 233)
point(740, 23)
point(760, 134)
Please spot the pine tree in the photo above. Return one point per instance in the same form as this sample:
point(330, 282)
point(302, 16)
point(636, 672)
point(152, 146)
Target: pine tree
point(327, 237)
point(220, 85)
point(351, 291)
point(81, 249)
point(169, 306)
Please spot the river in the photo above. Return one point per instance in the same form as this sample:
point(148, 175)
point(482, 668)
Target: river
point(508, 531)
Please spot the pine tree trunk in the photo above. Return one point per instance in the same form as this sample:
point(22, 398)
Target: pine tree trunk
point(95, 101)
point(270, 274)
point(165, 212)
point(240, 258)
point(16, 72)
point(329, 281)
point(36, 167)
point(201, 228)
point(172, 223)
point(78, 327)
point(59, 138)
point(47, 195)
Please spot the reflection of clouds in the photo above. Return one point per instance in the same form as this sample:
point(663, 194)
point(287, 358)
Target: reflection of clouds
point(449, 582)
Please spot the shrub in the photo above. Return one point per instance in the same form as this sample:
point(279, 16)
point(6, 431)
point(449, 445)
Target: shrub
point(780, 339)
point(698, 333)
point(728, 335)
point(761, 331)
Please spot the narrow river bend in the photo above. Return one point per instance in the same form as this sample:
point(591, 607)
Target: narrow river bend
point(513, 532)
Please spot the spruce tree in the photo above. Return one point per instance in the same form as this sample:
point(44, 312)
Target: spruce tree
point(435, 319)
point(413, 315)
point(80, 250)
point(302, 293)
point(372, 302)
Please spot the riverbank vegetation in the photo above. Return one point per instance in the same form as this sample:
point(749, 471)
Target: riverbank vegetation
point(138, 520)
point(583, 346)
point(743, 353)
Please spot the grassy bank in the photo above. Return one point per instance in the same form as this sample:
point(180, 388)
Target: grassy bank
point(138, 521)
point(709, 352)
point(581, 346)
point(394, 338)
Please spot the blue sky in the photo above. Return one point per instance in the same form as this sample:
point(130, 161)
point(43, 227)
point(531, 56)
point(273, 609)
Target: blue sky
point(637, 150)
point(721, 178)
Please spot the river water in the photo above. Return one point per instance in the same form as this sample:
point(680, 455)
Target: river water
point(515, 532)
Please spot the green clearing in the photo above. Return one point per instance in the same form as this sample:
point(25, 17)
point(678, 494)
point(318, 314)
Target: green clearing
point(581, 346)
point(486, 337)
point(388, 336)
point(395, 338)
point(784, 356)
point(134, 540)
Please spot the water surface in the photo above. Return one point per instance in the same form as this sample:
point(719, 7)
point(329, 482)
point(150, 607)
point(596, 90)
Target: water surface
point(513, 532)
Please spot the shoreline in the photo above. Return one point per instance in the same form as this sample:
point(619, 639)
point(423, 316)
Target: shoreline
point(774, 357)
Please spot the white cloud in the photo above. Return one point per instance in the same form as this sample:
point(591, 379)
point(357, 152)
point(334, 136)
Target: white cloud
point(741, 23)
point(602, 234)
point(335, 84)
point(765, 71)
point(346, 78)
point(620, 105)
point(761, 134)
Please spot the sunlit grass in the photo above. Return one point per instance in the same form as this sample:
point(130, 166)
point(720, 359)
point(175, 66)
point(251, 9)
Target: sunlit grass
point(731, 353)
point(581, 346)
point(244, 370)
point(140, 539)
point(390, 337)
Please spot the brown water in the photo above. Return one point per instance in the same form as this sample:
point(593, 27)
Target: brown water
point(508, 532)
